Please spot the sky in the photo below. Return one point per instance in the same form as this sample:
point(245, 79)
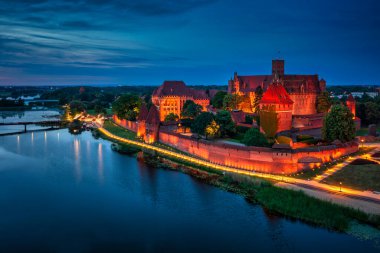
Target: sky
point(202, 42)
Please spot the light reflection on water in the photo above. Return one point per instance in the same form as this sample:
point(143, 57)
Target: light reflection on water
point(80, 196)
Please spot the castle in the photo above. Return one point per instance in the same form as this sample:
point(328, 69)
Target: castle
point(302, 89)
point(171, 96)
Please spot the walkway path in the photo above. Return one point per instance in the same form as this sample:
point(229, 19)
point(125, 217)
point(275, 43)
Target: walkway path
point(346, 162)
point(334, 192)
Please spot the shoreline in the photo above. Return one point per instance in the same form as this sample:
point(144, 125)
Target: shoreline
point(286, 202)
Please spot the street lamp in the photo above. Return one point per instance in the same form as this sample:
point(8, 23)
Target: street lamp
point(340, 186)
point(362, 140)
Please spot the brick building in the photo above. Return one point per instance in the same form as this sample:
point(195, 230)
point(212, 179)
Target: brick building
point(171, 96)
point(302, 89)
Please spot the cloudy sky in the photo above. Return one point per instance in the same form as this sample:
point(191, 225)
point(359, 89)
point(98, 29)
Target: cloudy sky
point(129, 42)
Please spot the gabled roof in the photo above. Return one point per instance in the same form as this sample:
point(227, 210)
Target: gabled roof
point(153, 117)
point(276, 94)
point(178, 88)
point(143, 114)
point(238, 116)
point(292, 83)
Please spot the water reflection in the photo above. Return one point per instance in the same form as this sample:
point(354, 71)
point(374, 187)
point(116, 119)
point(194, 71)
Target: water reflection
point(78, 172)
point(100, 163)
point(18, 143)
point(121, 205)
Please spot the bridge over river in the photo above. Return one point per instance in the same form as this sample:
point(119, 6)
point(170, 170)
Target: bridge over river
point(47, 123)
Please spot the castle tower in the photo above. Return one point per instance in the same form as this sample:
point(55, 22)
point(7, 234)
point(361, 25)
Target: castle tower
point(276, 99)
point(351, 104)
point(278, 68)
point(152, 125)
point(234, 85)
point(141, 119)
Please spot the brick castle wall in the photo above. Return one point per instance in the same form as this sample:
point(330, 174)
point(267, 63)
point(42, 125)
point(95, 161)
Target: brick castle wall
point(260, 159)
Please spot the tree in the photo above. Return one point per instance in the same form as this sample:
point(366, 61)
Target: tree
point(127, 106)
point(171, 117)
point(100, 109)
point(201, 122)
point(224, 120)
point(324, 102)
point(231, 102)
point(76, 107)
point(249, 119)
point(269, 121)
point(212, 129)
point(217, 100)
point(253, 137)
point(258, 96)
point(372, 113)
point(338, 124)
point(190, 109)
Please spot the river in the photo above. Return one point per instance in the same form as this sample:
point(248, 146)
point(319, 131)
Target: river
point(66, 193)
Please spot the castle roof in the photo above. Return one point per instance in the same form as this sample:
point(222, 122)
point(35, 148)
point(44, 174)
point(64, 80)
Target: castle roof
point(238, 116)
point(153, 117)
point(276, 94)
point(143, 114)
point(292, 83)
point(178, 88)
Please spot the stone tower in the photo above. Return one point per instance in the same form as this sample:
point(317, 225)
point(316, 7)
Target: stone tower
point(278, 68)
point(351, 104)
point(276, 99)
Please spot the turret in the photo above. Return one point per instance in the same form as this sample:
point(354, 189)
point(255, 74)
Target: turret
point(351, 104)
point(278, 67)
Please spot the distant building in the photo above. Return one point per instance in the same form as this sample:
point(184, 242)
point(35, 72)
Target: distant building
point(172, 95)
point(302, 89)
point(360, 94)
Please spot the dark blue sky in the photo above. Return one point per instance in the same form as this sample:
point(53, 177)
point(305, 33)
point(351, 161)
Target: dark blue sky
point(51, 42)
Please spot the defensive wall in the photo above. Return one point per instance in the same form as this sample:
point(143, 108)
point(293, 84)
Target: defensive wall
point(267, 160)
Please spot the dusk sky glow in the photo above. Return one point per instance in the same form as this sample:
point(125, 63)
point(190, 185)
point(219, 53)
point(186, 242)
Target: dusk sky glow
point(52, 42)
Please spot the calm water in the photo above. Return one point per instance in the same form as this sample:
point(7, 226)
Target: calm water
point(64, 193)
point(25, 116)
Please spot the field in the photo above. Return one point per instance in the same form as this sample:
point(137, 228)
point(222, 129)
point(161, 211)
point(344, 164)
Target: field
point(360, 176)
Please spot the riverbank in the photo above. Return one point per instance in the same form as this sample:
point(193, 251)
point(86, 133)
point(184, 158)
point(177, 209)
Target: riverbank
point(292, 204)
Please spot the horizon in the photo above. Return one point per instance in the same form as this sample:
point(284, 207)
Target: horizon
point(202, 42)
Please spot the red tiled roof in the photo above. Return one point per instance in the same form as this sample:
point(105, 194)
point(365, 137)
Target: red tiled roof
point(153, 117)
point(292, 83)
point(276, 94)
point(143, 114)
point(178, 88)
point(238, 116)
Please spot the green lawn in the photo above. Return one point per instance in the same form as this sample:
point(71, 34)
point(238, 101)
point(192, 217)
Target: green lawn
point(309, 174)
point(361, 177)
point(364, 131)
point(92, 112)
point(119, 131)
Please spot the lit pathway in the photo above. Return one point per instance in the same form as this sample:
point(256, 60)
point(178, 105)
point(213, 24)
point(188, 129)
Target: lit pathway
point(346, 162)
point(335, 192)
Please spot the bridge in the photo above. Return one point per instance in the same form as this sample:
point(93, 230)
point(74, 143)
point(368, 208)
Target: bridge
point(40, 123)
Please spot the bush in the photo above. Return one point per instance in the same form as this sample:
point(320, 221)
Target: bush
point(253, 137)
point(284, 140)
point(303, 137)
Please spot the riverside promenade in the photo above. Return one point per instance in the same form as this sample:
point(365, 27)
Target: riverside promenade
point(366, 201)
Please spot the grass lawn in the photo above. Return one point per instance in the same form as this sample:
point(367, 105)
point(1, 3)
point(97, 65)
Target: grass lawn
point(364, 131)
point(119, 131)
point(361, 177)
point(92, 112)
point(309, 174)
point(233, 140)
